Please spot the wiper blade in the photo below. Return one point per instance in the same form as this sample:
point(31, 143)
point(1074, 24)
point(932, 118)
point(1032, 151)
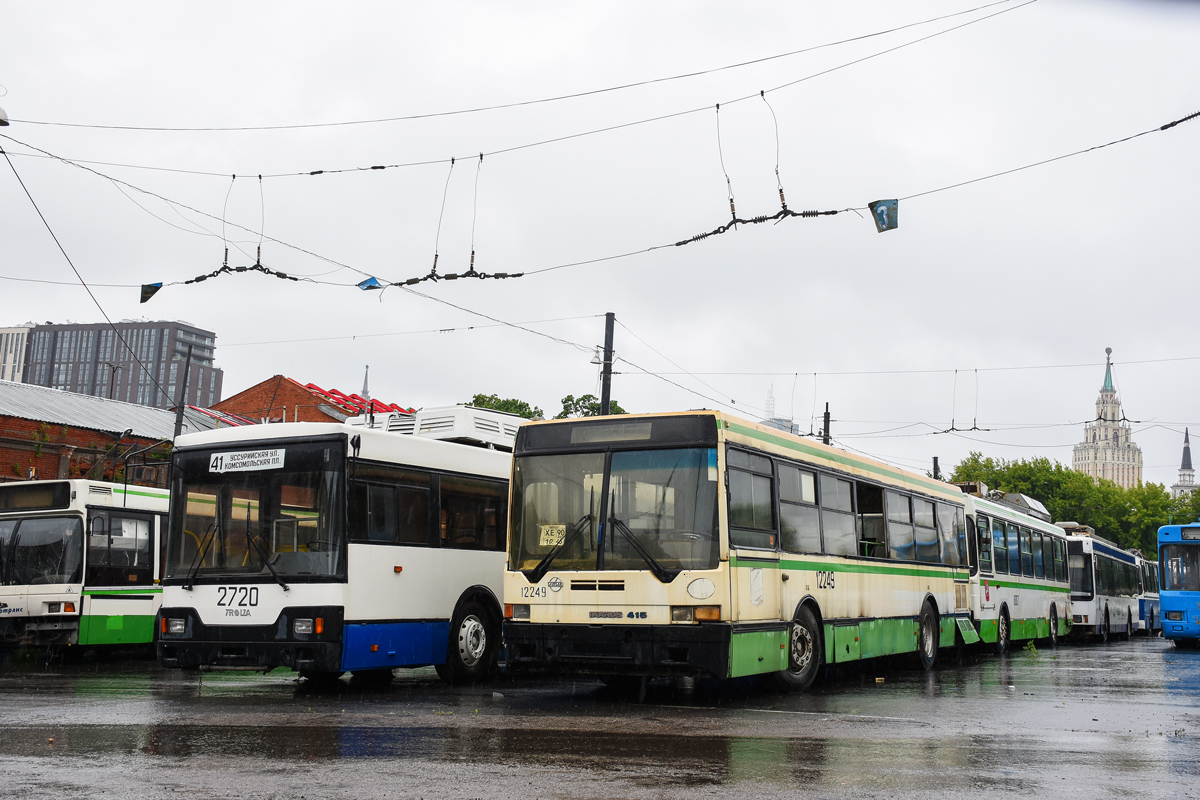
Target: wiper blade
point(536, 574)
point(199, 558)
point(663, 574)
point(258, 548)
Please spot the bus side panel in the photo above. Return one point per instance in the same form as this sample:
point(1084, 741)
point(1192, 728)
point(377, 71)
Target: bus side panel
point(397, 583)
point(882, 637)
point(757, 652)
point(394, 644)
point(122, 617)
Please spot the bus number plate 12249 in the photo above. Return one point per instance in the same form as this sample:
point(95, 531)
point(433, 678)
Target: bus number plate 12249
point(824, 580)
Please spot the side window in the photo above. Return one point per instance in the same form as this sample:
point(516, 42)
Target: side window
point(1039, 569)
point(837, 516)
point(1060, 560)
point(1000, 546)
point(900, 529)
point(925, 535)
point(951, 535)
point(473, 513)
point(1014, 549)
point(985, 543)
point(960, 522)
point(387, 506)
point(751, 501)
point(119, 548)
point(872, 527)
point(799, 519)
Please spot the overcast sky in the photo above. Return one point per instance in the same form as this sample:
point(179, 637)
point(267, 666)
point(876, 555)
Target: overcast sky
point(1041, 268)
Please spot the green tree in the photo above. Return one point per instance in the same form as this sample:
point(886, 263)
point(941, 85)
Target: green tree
point(509, 404)
point(587, 405)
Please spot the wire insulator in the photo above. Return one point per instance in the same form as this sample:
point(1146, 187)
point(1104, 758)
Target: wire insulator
point(433, 269)
point(258, 260)
point(809, 213)
point(782, 200)
point(472, 268)
point(732, 208)
point(226, 262)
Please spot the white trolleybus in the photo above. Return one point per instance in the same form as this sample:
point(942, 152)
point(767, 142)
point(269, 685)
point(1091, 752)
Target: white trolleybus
point(698, 544)
point(1020, 583)
point(79, 562)
point(1104, 585)
point(334, 547)
point(1149, 619)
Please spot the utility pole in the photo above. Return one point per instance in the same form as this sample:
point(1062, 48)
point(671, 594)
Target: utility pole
point(825, 431)
point(112, 374)
point(187, 368)
point(606, 369)
point(937, 473)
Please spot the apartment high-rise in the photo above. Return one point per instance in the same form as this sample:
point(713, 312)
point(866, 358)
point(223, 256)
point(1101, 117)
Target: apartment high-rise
point(13, 344)
point(91, 359)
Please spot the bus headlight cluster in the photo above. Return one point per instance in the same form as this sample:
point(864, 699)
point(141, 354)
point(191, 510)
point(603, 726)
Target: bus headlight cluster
point(516, 610)
point(176, 625)
point(695, 613)
point(1175, 616)
point(302, 627)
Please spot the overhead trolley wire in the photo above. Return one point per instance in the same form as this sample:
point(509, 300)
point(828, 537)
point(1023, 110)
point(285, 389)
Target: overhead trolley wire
point(516, 104)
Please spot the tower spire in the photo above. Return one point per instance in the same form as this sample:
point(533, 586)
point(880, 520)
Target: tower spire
point(1108, 384)
point(1187, 452)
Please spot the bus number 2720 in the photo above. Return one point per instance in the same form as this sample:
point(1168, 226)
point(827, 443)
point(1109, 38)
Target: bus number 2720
point(824, 580)
point(241, 596)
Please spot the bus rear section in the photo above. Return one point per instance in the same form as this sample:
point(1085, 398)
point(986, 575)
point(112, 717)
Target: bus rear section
point(1104, 587)
point(334, 548)
point(79, 562)
point(1179, 589)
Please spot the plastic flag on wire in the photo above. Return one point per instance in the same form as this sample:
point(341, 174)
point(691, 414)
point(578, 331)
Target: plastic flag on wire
point(370, 283)
point(149, 290)
point(884, 214)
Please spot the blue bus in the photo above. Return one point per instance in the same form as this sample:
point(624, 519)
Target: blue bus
point(1179, 593)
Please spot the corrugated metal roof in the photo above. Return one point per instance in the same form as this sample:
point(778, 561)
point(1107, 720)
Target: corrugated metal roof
point(57, 407)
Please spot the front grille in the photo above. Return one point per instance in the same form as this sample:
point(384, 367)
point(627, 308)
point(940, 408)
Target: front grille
point(598, 586)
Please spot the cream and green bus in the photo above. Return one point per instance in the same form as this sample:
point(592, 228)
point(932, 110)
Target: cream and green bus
point(699, 544)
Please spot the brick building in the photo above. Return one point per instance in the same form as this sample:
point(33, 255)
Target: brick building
point(47, 433)
point(281, 399)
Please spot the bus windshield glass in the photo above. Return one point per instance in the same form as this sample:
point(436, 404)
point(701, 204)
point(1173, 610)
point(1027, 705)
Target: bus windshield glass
point(41, 550)
point(1180, 564)
point(659, 513)
point(271, 514)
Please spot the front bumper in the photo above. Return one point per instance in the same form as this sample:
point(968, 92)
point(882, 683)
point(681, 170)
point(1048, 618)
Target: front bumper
point(653, 650)
point(253, 646)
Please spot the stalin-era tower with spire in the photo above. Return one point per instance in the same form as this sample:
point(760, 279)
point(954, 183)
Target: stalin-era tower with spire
point(1107, 450)
point(1187, 476)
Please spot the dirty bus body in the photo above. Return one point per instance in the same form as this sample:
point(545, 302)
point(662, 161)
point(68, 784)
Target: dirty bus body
point(1021, 586)
point(330, 548)
point(79, 562)
point(1104, 585)
point(696, 544)
point(1179, 590)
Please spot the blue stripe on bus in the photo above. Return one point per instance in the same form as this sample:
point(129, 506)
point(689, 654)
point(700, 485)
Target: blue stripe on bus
point(399, 644)
point(1117, 554)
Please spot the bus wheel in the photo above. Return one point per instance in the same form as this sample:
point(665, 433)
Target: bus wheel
point(1053, 626)
point(1106, 631)
point(1128, 625)
point(805, 653)
point(1003, 632)
point(927, 637)
point(471, 650)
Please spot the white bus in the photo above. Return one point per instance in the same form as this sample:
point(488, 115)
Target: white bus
point(1104, 585)
point(1020, 586)
point(79, 562)
point(696, 543)
point(329, 548)
point(1149, 619)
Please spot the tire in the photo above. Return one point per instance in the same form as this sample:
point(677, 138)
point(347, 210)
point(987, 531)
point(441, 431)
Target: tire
point(927, 637)
point(1150, 624)
point(1003, 633)
point(473, 646)
point(1053, 625)
point(806, 653)
point(1106, 631)
point(1128, 625)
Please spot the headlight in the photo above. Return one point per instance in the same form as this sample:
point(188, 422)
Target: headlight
point(302, 627)
point(176, 625)
point(520, 611)
point(1175, 616)
point(681, 613)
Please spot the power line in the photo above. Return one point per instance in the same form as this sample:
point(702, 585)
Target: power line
point(356, 336)
point(70, 263)
point(517, 104)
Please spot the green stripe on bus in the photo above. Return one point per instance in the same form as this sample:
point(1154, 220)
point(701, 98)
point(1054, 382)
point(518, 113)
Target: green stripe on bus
point(1030, 586)
point(140, 590)
point(155, 495)
point(123, 629)
point(841, 566)
point(838, 458)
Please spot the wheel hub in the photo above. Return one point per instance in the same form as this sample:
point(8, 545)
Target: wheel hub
point(472, 641)
point(801, 648)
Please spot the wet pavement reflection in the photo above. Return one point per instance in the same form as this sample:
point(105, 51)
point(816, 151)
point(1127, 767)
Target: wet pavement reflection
point(1082, 720)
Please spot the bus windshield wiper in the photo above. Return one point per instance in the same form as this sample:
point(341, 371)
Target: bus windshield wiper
point(258, 548)
point(663, 574)
point(536, 574)
point(199, 559)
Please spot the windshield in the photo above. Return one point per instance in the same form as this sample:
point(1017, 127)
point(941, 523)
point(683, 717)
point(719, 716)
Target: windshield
point(1180, 567)
point(660, 510)
point(264, 513)
point(41, 550)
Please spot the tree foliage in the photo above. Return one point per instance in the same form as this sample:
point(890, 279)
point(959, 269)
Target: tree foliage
point(1129, 517)
point(587, 405)
point(509, 404)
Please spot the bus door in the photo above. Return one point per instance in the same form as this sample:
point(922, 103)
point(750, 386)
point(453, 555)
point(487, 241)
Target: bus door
point(119, 595)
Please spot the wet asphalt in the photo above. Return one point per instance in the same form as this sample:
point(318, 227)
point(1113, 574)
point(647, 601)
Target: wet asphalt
point(1084, 720)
